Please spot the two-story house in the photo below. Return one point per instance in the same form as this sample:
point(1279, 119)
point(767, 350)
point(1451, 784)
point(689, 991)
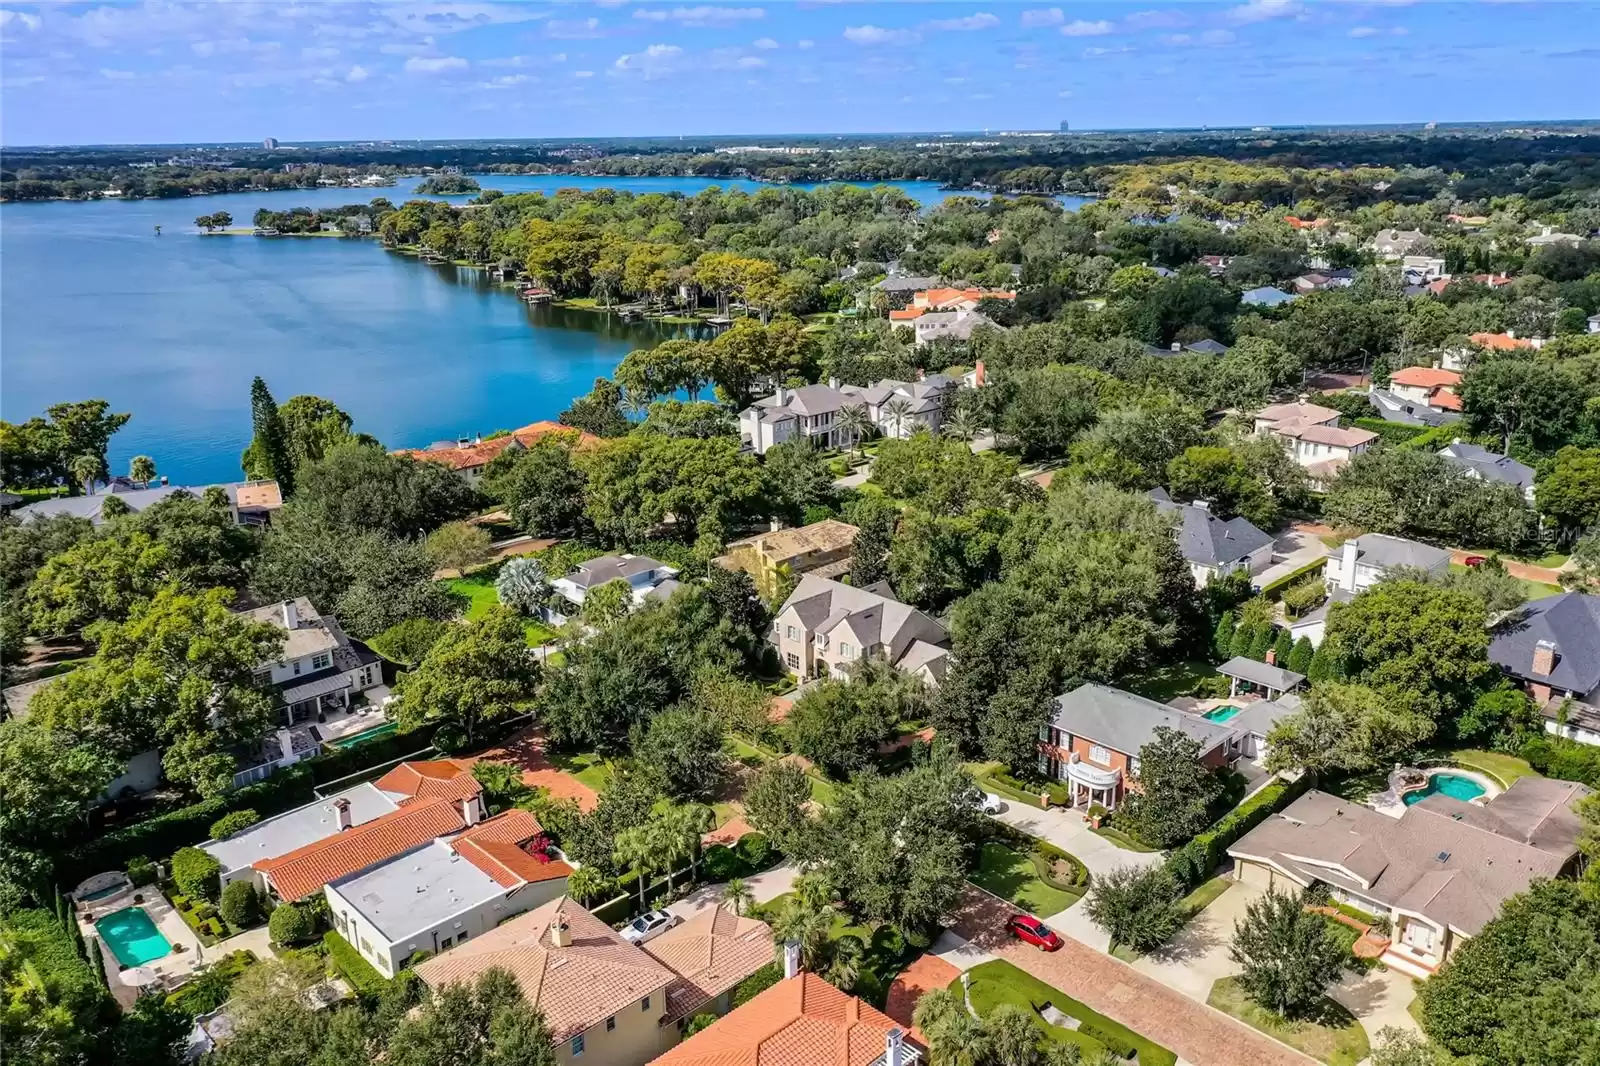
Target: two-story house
point(1481, 463)
point(1095, 732)
point(893, 408)
point(1312, 436)
point(321, 669)
point(1211, 546)
point(1433, 386)
point(824, 627)
point(468, 456)
point(1359, 563)
point(646, 578)
point(823, 548)
point(957, 325)
point(1552, 648)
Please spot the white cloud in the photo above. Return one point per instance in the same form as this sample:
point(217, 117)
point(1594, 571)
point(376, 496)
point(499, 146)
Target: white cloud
point(1096, 53)
point(434, 64)
point(1261, 10)
point(765, 42)
point(1082, 28)
point(507, 81)
point(1217, 37)
point(1363, 31)
point(583, 74)
point(231, 46)
point(982, 20)
point(1065, 94)
point(356, 74)
point(506, 61)
point(9, 18)
point(319, 53)
point(877, 35)
point(574, 29)
point(1156, 20)
point(117, 75)
point(805, 45)
point(1175, 38)
point(1048, 16)
point(701, 15)
point(750, 62)
point(656, 59)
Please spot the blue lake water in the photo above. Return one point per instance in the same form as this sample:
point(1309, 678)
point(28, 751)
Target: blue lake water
point(172, 328)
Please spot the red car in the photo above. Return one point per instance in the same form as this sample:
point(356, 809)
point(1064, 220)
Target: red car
point(1031, 930)
point(1475, 560)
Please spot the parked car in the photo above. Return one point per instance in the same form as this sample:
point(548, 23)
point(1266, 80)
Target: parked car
point(1031, 930)
point(648, 926)
point(990, 803)
point(1475, 560)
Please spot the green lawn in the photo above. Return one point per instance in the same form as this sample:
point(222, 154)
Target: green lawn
point(1166, 682)
point(590, 768)
point(1335, 1038)
point(1534, 590)
point(822, 790)
point(1121, 839)
point(998, 982)
point(478, 590)
point(1011, 875)
point(1190, 906)
point(1501, 767)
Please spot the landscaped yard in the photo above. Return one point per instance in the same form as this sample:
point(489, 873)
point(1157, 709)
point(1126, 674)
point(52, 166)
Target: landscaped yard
point(589, 767)
point(885, 955)
point(1190, 906)
point(478, 589)
point(1166, 682)
point(1337, 1038)
point(997, 982)
point(822, 790)
point(1503, 768)
point(1011, 875)
point(1121, 839)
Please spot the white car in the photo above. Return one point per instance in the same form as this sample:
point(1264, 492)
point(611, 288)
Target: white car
point(990, 804)
point(648, 926)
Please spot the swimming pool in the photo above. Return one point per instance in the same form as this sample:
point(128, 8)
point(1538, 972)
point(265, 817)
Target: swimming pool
point(132, 937)
point(1455, 786)
point(1220, 714)
point(361, 738)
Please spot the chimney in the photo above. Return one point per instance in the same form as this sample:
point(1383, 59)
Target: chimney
point(782, 397)
point(560, 933)
point(833, 383)
point(1511, 333)
point(1204, 505)
point(341, 807)
point(461, 442)
point(1454, 441)
point(791, 958)
point(163, 479)
point(477, 438)
point(894, 1047)
point(977, 375)
point(1347, 566)
point(920, 373)
point(291, 616)
point(469, 810)
point(1544, 657)
point(1272, 657)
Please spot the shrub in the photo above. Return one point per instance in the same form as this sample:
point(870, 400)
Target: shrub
point(756, 850)
point(697, 1023)
point(141, 871)
point(408, 641)
point(721, 863)
point(361, 974)
point(232, 823)
point(290, 924)
point(40, 940)
point(197, 873)
point(239, 907)
point(1193, 863)
point(757, 983)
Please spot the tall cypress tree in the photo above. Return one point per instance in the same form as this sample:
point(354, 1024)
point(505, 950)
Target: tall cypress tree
point(268, 454)
point(1222, 639)
point(1282, 648)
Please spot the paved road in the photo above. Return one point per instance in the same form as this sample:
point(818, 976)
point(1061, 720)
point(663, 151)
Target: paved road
point(1194, 1031)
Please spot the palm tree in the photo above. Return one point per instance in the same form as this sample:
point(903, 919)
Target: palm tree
point(694, 821)
point(85, 469)
point(586, 882)
point(637, 401)
point(809, 926)
point(898, 410)
point(737, 895)
point(962, 425)
point(855, 423)
point(844, 968)
point(955, 1036)
point(637, 848)
point(142, 470)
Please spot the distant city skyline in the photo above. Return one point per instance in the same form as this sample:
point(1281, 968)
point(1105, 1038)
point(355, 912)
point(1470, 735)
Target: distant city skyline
point(173, 72)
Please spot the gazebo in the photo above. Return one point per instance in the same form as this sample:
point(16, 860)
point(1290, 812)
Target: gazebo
point(1273, 680)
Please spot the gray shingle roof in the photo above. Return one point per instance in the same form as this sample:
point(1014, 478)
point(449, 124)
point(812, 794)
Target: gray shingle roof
point(1394, 408)
point(1208, 540)
point(1384, 551)
point(1259, 716)
point(1488, 465)
point(1125, 722)
point(597, 572)
point(1570, 621)
point(874, 616)
point(1267, 296)
point(1259, 673)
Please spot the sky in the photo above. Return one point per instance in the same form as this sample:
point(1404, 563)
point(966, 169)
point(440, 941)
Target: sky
point(155, 71)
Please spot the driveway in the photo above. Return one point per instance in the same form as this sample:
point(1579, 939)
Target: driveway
point(1196, 1032)
point(1378, 999)
point(1197, 957)
point(765, 886)
point(1292, 549)
point(1068, 831)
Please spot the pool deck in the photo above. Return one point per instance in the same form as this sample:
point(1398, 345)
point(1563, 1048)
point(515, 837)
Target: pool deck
point(174, 968)
point(1394, 805)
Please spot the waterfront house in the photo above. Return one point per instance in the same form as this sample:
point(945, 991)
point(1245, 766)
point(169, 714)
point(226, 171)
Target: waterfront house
point(822, 548)
point(1095, 732)
point(1551, 647)
point(894, 409)
point(467, 456)
point(1438, 873)
point(826, 626)
point(250, 503)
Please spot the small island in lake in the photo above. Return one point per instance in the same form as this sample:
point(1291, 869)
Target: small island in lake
point(447, 185)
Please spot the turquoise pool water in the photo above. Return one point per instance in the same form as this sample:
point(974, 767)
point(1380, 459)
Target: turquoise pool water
point(372, 734)
point(132, 937)
point(1220, 714)
point(1455, 786)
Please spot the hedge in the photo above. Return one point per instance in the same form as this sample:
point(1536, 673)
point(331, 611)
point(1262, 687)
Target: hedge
point(1192, 864)
point(1290, 578)
point(52, 953)
point(166, 833)
point(362, 975)
point(210, 989)
point(1391, 432)
point(236, 822)
point(1440, 435)
point(1566, 760)
point(197, 873)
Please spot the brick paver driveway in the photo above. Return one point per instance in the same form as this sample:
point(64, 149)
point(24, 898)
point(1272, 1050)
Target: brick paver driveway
point(1194, 1031)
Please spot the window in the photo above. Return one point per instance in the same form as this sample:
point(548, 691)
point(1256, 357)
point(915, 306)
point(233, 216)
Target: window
point(263, 677)
point(792, 660)
point(321, 661)
point(444, 943)
point(847, 651)
point(644, 1004)
point(611, 1023)
point(577, 1045)
point(1099, 755)
point(791, 632)
point(297, 668)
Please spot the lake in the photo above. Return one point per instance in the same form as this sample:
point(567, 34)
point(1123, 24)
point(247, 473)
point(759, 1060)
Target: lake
point(173, 328)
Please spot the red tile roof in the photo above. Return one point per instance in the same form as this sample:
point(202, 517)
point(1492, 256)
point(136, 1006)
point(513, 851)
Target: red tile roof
point(1424, 377)
point(437, 779)
point(1500, 341)
point(803, 1021)
point(301, 872)
point(1442, 397)
point(710, 952)
point(906, 314)
point(1301, 223)
point(508, 864)
point(512, 827)
point(479, 453)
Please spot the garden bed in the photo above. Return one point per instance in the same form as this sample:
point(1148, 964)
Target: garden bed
point(998, 982)
point(1016, 878)
point(361, 974)
point(1333, 1036)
